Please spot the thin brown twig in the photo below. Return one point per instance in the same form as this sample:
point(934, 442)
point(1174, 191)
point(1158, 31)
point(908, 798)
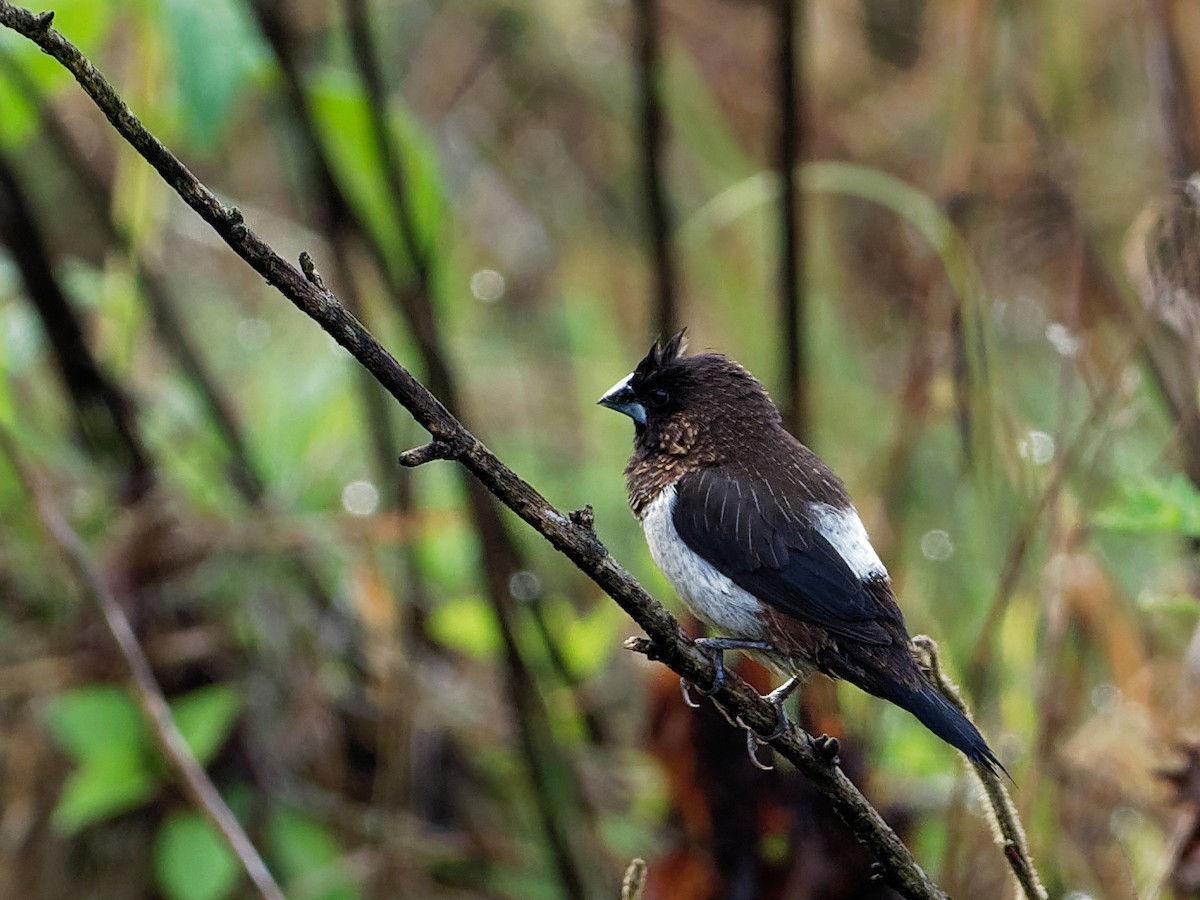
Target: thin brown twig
point(570, 535)
point(633, 885)
point(148, 694)
point(1007, 821)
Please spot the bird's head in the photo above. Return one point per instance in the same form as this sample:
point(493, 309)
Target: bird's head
point(677, 401)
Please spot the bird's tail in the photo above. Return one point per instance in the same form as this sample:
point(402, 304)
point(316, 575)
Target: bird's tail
point(948, 722)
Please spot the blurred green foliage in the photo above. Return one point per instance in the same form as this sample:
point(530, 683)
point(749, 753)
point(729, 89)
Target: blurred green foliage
point(960, 348)
point(117, 761)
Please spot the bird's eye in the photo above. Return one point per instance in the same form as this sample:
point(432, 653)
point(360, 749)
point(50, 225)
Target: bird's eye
point(658, 397)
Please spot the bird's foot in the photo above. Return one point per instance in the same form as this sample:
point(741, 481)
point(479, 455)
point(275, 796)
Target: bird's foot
point(718, 661)
point(782, 725)
point(715, 649)
point(776, 698)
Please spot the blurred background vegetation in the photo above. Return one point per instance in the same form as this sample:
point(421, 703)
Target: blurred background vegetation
point(403, 692)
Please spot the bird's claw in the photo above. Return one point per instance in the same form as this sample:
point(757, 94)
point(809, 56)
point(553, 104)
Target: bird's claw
point(753, 742)
point(782, 724)
point(685, 687)
point(715, 649)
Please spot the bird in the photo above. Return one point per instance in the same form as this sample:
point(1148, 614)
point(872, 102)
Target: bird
point(761, 541)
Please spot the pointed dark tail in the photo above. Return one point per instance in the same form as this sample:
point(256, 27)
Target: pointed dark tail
point(945, 720)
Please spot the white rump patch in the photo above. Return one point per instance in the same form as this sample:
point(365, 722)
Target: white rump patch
point(844, 530)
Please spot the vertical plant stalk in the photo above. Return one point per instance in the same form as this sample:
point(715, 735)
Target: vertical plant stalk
point(791, 152)
point(1168, 76)
point(651, 134)
point(358, 23)
point(103, 411)
point(546, 762)
point(149, 696)
point(1011, 833)
point(419, 304)
point(245, 474)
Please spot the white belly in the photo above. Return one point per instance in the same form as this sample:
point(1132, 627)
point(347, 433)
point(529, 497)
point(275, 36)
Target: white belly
point(715, 600)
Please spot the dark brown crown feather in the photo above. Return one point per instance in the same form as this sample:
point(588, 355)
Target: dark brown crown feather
point(660, 355)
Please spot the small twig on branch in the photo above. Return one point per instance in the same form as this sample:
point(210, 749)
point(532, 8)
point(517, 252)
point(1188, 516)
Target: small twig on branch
point(149, 696)
point(418, 456)
point(1011, 833)
point(634, 883)
point(576, 542)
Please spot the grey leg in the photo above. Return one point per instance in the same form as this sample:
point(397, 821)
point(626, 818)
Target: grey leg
point(715, 648)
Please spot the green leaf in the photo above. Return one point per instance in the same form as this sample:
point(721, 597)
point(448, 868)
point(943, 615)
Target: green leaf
point(103, 786)
point(20, 118)
point(205, 717)
point(587, 639)
point(102, 729)
point(1147, 506)
point(214, 48)
point(192, 862)
point(343, 119)
point(466, 624)
point(309, 858)
point(97, 722)
point(84, 22)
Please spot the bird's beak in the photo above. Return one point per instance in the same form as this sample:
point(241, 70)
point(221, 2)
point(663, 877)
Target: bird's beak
point(622, 398)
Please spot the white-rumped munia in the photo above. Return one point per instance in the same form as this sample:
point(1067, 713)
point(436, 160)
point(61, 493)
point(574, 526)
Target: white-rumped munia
point(760, 540)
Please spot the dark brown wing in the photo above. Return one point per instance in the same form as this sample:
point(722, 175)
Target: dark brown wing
point(766, 541)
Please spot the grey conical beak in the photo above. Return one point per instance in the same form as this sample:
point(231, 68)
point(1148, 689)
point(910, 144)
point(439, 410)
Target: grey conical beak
point(622, 398)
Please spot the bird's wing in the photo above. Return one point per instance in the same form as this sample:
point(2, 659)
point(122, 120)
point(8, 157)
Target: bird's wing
point(766, 540)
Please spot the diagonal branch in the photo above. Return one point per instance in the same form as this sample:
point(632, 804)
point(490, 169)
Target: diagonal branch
point(571, 535)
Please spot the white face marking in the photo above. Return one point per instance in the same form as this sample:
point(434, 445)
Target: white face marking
point(635, 411)
point(624, 382)
point(844, 530)
point(710, 595)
